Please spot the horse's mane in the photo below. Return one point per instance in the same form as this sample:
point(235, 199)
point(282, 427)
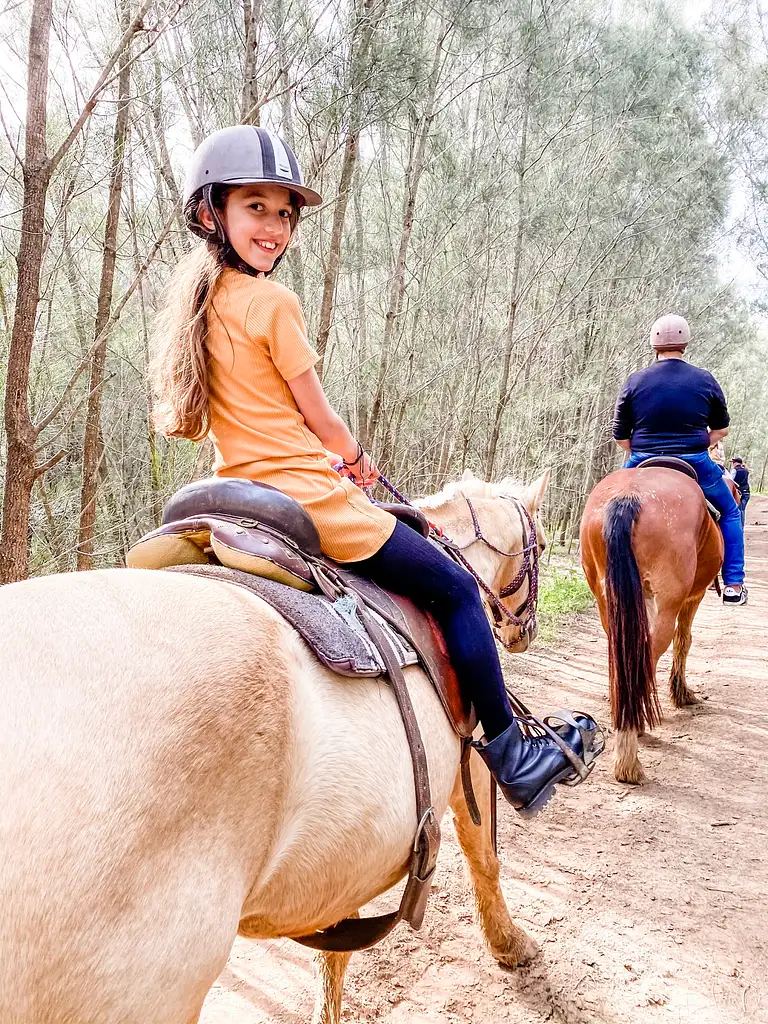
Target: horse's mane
point(471, 487)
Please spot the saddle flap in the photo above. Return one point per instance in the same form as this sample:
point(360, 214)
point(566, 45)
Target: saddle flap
point(421, 630)
point(427, 637)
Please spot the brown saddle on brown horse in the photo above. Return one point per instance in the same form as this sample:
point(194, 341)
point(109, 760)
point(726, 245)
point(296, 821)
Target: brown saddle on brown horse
point(681, 466)
point(256, 537)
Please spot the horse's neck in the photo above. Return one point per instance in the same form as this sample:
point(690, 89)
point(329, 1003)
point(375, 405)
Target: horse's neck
point(453, 516)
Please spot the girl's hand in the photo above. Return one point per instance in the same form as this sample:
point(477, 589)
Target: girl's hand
point(363, 472)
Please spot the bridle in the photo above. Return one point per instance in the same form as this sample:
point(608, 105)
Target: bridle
point(525, 616)
point(529, 570)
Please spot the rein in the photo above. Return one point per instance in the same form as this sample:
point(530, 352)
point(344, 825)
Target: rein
point(529, 569)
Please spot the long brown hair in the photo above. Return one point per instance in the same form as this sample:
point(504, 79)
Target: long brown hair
point(180, 335)
point(180, 368)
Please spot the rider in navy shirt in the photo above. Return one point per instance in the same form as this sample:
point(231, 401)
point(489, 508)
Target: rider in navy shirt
point(674, 408)
point(670, 408)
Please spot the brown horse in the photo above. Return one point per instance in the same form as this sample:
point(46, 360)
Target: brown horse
point(649, 550)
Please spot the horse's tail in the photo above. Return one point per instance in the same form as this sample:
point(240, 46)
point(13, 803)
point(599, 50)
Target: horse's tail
point(634, 701)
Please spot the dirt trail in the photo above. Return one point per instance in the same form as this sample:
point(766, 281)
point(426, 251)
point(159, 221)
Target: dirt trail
point(648, 902)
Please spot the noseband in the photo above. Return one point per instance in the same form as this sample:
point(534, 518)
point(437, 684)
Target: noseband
point(529, 570)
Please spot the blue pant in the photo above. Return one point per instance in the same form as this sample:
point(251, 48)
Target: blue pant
point(716, 490)
point(413, 567)
point(743, 509)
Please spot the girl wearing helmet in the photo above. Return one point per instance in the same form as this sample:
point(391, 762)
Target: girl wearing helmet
point(235, 365)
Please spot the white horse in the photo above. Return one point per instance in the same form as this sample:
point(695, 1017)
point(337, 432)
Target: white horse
point(176, 769)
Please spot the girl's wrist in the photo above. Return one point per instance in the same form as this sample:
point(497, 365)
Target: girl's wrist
point(354, 460)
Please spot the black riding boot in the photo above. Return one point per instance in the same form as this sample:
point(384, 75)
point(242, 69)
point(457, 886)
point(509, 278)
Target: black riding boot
point(527, 762)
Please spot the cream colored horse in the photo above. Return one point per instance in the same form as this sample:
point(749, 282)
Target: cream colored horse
point(176, 769)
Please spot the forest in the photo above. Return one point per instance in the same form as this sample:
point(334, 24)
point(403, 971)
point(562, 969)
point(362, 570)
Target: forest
point(514, 190)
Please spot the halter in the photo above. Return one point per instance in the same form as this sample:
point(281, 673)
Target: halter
point(529, 569)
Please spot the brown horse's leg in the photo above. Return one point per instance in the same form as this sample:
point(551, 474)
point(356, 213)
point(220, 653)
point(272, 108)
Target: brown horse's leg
point(626, 766)
point(330, 969)
point(509, 944)
point(678, 689)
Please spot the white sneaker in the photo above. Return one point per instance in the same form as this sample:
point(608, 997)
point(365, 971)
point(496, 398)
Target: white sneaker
point(735, 597)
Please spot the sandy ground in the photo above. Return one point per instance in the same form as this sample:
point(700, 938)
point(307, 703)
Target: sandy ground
point(648, 902)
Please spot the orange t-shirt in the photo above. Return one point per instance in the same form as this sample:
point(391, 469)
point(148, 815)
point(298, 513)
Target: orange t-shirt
point(257, 341)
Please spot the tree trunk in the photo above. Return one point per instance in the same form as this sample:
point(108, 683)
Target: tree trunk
point(514, 287)
point(249, 103)
point(93, 450)
point(331, 276)
point(21, 470)
point(155, 481)
point(369, 17)
point(20, 467)
point(397, 287)
point(295, 256)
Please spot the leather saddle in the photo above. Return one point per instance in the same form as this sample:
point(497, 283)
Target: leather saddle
point(681, 466)
point(257, 533)
point(670, 462)
point(253, 536)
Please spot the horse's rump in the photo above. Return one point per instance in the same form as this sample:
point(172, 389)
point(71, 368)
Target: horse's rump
point(124, 758)
point(644, 537)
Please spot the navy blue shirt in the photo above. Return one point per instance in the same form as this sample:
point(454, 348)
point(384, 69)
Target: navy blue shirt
point(669, 408)
point(741, 478)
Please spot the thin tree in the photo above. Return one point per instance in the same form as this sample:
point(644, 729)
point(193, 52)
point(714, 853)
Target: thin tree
point(22, 466)
point(368, 18)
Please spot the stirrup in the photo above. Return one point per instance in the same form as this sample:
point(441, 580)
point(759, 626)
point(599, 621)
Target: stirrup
point(592, 739)
point(533, 727)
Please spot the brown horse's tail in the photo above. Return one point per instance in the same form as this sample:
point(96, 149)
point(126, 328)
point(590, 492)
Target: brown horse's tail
point(630, 666)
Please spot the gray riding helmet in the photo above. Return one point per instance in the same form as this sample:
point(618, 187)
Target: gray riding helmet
point(243, 155)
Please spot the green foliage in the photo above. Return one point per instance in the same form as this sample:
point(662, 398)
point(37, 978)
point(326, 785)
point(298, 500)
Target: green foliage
point(563, 592)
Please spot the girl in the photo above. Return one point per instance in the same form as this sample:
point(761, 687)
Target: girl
point(235, 365)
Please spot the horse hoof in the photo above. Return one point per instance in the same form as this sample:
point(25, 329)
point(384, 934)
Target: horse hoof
point(687, 699)
point(520, 953)
point(633, 774)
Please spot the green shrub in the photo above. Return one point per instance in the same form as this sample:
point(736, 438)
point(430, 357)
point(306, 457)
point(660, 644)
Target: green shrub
point(562, 592)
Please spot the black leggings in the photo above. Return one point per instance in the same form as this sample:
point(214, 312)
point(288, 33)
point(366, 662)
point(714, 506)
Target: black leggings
point(409, 565)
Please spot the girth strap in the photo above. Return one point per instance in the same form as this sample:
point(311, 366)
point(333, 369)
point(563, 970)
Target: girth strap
point(359, 933)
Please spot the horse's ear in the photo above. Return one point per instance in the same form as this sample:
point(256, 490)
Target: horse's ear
point(468, 475)
point(533, 495)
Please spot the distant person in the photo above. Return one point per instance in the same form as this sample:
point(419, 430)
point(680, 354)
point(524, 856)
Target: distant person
point(674, 408)
point(741, 479)
point(717, 454)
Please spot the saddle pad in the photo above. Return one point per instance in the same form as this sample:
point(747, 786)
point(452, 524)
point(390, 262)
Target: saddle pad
point(331, 628)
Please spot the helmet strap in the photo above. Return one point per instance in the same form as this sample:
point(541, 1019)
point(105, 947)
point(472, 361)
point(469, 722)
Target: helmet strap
point(219, 231)
point(219, 236)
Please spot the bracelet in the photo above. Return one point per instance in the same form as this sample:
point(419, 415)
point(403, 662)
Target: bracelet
point(360, 454)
